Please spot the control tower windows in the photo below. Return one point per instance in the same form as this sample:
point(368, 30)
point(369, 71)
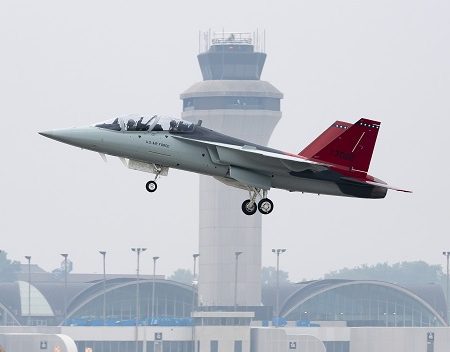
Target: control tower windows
point(236, 103)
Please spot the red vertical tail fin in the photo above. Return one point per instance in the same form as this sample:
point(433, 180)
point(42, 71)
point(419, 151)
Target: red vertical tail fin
point(352, 148)
point(331, 133)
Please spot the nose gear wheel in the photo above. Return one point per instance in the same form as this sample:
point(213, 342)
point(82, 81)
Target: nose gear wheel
point(151, 186)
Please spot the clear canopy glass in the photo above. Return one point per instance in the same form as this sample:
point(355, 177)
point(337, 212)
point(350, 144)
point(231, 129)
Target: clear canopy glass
point(136, 123)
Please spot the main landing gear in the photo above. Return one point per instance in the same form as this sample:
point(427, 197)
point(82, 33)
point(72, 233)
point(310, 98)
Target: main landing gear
point(265, 205)
point(152, 186)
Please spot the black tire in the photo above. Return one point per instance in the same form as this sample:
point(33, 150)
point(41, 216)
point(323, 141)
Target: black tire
point(151, 186)
point(246, 209)
point(265, 206)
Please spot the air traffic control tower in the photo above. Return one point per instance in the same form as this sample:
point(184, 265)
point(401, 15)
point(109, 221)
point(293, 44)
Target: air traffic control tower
point(233, 100)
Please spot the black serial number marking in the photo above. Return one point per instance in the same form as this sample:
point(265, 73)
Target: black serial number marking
point(343, 155)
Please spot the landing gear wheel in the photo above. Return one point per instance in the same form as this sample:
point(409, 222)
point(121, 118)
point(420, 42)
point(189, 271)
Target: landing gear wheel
point(265, 206)
point(247, 208)
point(151, 186)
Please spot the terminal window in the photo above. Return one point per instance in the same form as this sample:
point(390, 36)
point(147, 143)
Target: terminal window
point(214, 346)
point(238, 346)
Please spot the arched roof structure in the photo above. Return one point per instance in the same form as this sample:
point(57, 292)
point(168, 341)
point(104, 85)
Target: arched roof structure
point(172, 299)
point(358, 303)
point(33, 302)
point(361, 303)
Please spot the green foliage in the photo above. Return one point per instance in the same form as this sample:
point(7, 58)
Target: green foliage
point(8, 268)
point(269, 276)
point(182, 275)
point(417, 272)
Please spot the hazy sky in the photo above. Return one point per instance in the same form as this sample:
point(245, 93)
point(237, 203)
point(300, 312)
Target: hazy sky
point(66, 64)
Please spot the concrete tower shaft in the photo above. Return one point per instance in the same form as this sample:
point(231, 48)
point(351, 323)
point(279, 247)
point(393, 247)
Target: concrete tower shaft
point(231, 100)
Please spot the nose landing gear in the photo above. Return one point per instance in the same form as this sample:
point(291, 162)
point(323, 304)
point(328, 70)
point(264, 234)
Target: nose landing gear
point(265, 205)
point(152, 186)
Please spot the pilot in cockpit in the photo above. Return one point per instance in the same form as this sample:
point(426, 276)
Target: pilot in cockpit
point(131, 125)
point(142, 126)
point(173, 125)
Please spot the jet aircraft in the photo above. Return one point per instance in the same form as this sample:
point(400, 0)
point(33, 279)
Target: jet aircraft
point(335, 163)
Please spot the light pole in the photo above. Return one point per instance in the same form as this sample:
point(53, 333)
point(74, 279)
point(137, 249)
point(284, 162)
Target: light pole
point(278, 251)
point(153, 288)
point(28, 257)
point(447, 254)
point(103, 253)
point(237, 254)
point(194, 256)
point(65, 255)
point(138, 253)
point(194, 303)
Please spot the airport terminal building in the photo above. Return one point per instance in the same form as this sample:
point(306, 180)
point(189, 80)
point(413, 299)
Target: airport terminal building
point(339, 302)
point(324, 315)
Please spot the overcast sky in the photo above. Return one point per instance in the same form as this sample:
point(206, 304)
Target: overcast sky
point(66, 64)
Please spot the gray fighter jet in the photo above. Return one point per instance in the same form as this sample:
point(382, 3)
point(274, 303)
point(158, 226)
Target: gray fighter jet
point(335, 163)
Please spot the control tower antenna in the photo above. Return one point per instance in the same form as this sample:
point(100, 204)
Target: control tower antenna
point(208, 39)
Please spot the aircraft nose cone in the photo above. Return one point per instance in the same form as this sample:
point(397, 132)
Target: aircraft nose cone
point(65, 135)
point(80, 137)
point(47, 134)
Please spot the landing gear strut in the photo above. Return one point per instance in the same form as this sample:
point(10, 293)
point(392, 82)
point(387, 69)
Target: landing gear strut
point(265, 205)
point(152, 186)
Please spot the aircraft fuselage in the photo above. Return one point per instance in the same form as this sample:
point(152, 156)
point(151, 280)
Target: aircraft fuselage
point(167, 149)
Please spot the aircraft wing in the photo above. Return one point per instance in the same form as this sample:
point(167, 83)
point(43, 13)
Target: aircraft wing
point(251, 158)
point(262, 163)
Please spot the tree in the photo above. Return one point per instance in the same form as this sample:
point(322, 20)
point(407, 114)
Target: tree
point(417, 272)
point(269, 276)
point(182, 275)
point(8, 268)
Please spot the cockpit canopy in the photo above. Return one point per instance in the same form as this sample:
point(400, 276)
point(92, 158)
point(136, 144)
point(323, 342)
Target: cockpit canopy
point(136, 123)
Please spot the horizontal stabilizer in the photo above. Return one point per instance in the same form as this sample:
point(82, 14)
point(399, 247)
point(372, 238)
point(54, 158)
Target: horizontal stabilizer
point(388, 186)
point(378, 184)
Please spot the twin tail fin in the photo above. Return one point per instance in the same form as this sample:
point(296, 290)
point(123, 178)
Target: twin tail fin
point(345, 145)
